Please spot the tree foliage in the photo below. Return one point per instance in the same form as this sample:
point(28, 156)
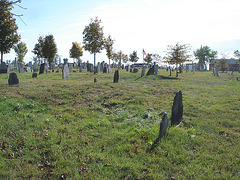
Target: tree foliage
point(133, 57)
point(237, 54)
point(21, 50)
point(178, 54)
point(76, 51)
point(8, 28)
point(109, 47)
point(119, 57)
point(38, 49)
point(223, 64)
point(148, 58)
point(156, 57)
point(49, 49)
point(205, 54)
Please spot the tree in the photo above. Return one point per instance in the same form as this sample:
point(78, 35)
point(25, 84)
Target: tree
point(223, 64)
point(76, 51)
point(156, 57)
point(119, 57)
point(38, 49)
point(205, 54)
point(8, 28)
point(133, 57)
point(178, 54)
point(109, 47)
point(93, 38)
point(49, 49)
point(237, 54)
point(148, 58)
point(21, 51)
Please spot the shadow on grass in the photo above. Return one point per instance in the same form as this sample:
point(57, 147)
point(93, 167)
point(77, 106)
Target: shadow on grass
point(158, 77)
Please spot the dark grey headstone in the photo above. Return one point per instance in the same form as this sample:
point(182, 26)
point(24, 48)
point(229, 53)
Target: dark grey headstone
point(34, 75)
point(170, 72)
point(116, 77)
point(13, 80)
point(95, 80)
point(135, 70)
point(163, 126)
point(150, 71)
point(105, 69)
point(80, 69)
point(130, 70)
point(143, 71)
point(3, 68)
point(65, 73)
point(177, 109)
point(35, 67)
point(20, 68)
point(42, 66)
point(46, 67)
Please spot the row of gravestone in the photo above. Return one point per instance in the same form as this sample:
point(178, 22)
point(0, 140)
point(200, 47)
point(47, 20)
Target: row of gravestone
point(176, 118)
point(153, 70)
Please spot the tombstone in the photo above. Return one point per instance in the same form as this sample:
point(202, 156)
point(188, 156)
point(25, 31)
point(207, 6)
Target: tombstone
point(155, 68)
point(150, 71)
point(135, 70)
point(130, 70)
point(143, 71)
point(28, 69)
point(237, 78)
point(170, 72)
point(80, 69)
point(34, 75)
point(35, 67)
point(65, 61)
point(20, 68)
point(3, 68)
point(46, 67)
point(163, 126)
point(10, 67)
point(95, 80)
point(105, 69)
point(13, 80)
point(127, 68)
point(74, 65)
point(70, 67)
point(41, 70)
point(116, 77)
point(57, 71)
point(30, 64)
point(74, 71)
point(177, 109)
point(65, 73)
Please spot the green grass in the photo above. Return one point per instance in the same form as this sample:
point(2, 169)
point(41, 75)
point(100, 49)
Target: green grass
point(75, 128)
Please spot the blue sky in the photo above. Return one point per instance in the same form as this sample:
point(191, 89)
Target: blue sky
point(134, 24)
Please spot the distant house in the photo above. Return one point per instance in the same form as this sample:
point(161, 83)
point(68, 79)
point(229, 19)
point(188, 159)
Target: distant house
point(233, 64)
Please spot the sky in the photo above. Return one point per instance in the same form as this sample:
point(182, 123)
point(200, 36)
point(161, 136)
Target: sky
point(135, 25)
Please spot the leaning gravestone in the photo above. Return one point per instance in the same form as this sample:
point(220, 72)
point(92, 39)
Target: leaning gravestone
point(116, 77)
point(3, 68)
point(65, 73)
point(34, 75)
point(13, 80)
point(151, 71)
point(143, 71)
point(41, 71)
point(177, 109)
point(163, 126)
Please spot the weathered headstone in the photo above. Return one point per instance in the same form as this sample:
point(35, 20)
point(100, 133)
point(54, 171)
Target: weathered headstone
point(143, 71)
point(170, 72)
point(135, 70)
point(116, 77)
point(95, 80)
point(13, 80)
point(130, 70)
point(80, 69)
point(163, 126)
point(46, 67)
point(150, 71)
point(35, 67)
point(177, 109)
point(20, 68)
point(65, 61)
point(34, 75)
point(65, 73)
point(41, 70)
point(105, 69)
point(70, 67)
point(155, 66)
point(3, 68)
point(28, 69)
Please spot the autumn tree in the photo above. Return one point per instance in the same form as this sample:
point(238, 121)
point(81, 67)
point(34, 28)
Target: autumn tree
point(205, 54)
point(133, 57)
point(8, 28)
point(148, 58)
point(93, 38)
point(156, 57)
point(38, 49)
point(177, 54)
point(76, 51)
point(119, 57)
point(109, 47)
point(49, 49)
point(21, 50)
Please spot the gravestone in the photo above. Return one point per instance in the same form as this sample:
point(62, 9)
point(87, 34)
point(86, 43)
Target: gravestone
point(30, 64)
point(28, 69)
point(35, 67)
point(155, 68)
point(3, 68)
point(34, 75)
point(95, 80)
point(70, 67)
point(170, 72)
point(177, 109)
point(105, 69)
point(46, 67)
point(65, 73)
point(80, 69)
point(11, 67)
point(13, 80)
point(116, 77)
point(143, 71)
point(163, 126)
point(151, 71)
point(130, 70)
point(20, 68)
point(135, 70)
point(65, 61)
point(41, 70)
point(127, 68)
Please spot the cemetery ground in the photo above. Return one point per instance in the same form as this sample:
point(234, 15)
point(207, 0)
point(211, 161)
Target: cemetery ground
point(77, 129)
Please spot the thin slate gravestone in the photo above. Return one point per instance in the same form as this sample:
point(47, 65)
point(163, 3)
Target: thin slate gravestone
point(105, 69)
point(3, 68)
point(13, 79)
point(41, 71)
point(135, 70)
point(177, 109)
point(163, 126)
point(116, 77)
point(143, 71)
point(34, 75)
point(35, 67)
point(65, 73)
point(151, 71)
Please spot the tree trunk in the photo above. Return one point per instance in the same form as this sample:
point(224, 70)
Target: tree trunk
point(1, 57)
point(94, 70)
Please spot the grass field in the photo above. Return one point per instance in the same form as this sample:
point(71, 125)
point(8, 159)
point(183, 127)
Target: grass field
point(77, 129)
